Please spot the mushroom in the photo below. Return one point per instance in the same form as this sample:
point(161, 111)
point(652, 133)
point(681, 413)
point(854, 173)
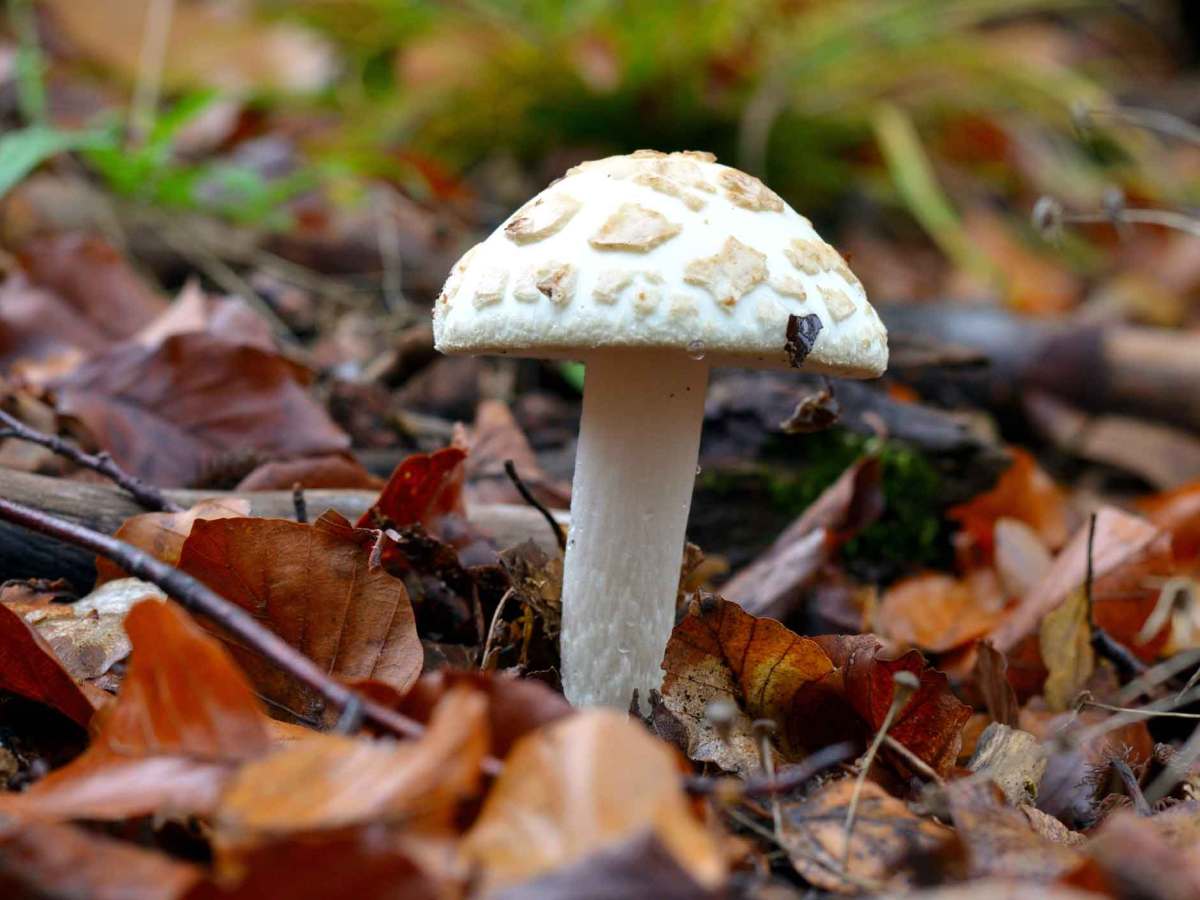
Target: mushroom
point(651, 268)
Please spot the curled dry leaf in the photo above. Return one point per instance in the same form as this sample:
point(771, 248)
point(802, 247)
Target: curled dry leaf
point(886, 834)
point(183, 718)
point(161, 534)
point(41, 859)
point(581, 786)
point(1003, 841)
point(719, 652)
point(495, 438)
point(329, 782)
point(930, 724)
point(423, 490)
point(29, 668)
point(169, 412)
point(346, 613)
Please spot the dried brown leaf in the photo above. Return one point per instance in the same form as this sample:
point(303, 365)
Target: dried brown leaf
point(1000, 840)
point(581, 786)
point(162, 534)
point(886, 833)
point(719, 652)
point(318, 587)
point(169, 412)
point(184, 716)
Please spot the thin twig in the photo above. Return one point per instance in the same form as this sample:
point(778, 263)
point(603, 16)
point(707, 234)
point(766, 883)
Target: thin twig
point(763, 729)
point(511, 469)
point(147, 495)
point(905, 685)
point(919, 765)
point(1147, 713)
point(491, 635)
point(199, 598)
point(1104, 643)
point(299, 504)
point(787, 780)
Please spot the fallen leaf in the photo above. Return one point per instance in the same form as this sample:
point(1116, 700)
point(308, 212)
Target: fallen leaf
point(580, 786)
point(88, 636)
point(638, 867)
point(1120, 540)
point(720, 653)
point(938, 612)
point(515, 706)
point(1066, 644)
point(1025, 493)
point(355, 862)
point(168, 413)
point(1132, 856)
point(95, 280)
point(347, 614)
point(1000, 840)
point(311, 473)
point(931, 722)
point(40, 859)
point(183, 717)
point(496, 438)
point(886, 834)
point(991, 677)
point(194, 310)
point(162, 534)
point(29, 668)
point(41, 330)
point(768, 586)
point(330, 782)
point(1177, 512)
point(424, 489)
point(1022, 557)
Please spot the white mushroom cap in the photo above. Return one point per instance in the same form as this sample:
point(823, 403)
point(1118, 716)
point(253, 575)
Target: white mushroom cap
point(656, 250)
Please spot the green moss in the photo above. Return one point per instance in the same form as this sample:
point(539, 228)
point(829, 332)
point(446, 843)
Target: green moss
point(911, 533)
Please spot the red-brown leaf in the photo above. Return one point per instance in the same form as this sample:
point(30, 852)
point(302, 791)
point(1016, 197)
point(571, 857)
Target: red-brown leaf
point(167, 413)
point(29, 668)
point(318, 587)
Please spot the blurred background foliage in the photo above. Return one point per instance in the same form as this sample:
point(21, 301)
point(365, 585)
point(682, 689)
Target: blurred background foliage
point(935, 124)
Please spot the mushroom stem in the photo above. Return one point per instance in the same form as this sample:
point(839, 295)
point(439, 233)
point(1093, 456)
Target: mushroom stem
point(635, 466)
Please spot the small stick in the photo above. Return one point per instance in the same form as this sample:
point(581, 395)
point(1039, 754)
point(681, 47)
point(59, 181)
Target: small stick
point(533, 501)
point(299, 504)
point(763, 729)
point(147, 495)
point(905, 685)
point(491, 635)
point(913, 760)
point(787, 780)
point(199, 598)
point(1102, 642)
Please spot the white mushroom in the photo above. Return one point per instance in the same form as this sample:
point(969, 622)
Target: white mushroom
point(743, 280)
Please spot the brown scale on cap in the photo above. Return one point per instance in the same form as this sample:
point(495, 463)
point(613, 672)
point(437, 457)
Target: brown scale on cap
point(634, 227)
point(729, 274)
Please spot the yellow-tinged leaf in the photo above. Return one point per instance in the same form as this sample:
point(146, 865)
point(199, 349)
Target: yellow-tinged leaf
point(1066, 644)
